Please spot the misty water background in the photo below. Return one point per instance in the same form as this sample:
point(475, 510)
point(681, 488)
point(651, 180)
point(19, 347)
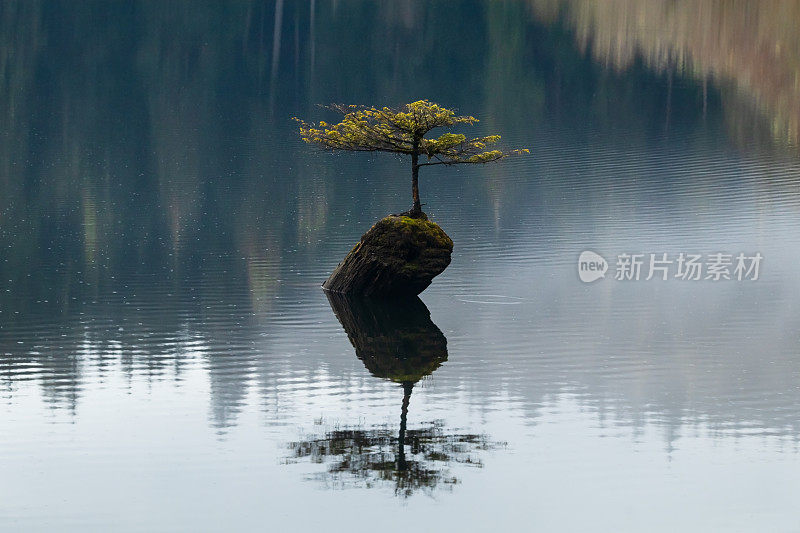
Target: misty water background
point(168, 360)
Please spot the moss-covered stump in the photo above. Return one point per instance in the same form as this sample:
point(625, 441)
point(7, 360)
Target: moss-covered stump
point(396, 340)
point(398, 256)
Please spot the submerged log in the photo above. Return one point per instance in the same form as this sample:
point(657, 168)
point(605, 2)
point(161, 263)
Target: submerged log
point(398, 256)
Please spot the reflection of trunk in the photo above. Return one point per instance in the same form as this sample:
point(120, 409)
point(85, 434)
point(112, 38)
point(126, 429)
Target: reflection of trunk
point(401, 442)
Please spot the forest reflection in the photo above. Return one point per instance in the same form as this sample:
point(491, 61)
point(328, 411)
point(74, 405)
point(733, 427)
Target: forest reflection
point(750, 50)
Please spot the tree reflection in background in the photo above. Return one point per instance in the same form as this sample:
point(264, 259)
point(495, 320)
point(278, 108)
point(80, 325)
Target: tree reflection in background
point(751, 50)
point(399, 342)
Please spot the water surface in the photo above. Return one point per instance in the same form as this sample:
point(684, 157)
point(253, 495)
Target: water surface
point(168, 360)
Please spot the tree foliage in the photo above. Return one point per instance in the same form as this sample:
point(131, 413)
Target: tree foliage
point(403, 130)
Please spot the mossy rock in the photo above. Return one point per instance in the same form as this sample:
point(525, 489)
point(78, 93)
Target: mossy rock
point(398, 256)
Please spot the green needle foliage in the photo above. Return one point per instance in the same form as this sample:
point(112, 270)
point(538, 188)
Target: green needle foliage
point(402, 131)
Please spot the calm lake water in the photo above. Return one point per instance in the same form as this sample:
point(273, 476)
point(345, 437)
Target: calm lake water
point(168, 360)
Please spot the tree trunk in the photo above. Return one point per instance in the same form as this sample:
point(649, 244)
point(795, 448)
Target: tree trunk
point(416, 209)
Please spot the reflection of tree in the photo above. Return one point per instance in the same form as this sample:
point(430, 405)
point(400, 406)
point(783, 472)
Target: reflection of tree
point(397, 341)
point(369, 457)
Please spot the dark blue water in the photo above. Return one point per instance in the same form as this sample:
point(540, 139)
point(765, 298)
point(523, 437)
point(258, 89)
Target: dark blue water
point(168, 360)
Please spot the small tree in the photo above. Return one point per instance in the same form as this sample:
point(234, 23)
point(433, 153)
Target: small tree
point(402, 131)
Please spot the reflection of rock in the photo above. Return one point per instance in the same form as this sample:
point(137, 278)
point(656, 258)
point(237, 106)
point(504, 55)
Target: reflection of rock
point(396, 341)
point(399, 255)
